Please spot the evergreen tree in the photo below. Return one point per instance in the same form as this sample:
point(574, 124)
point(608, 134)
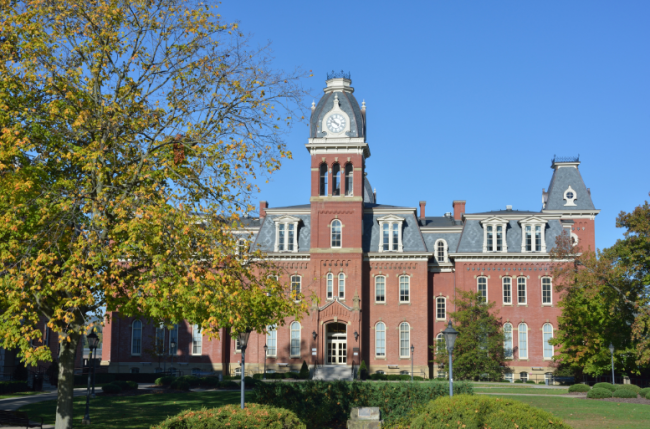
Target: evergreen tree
point(478, 351)
point(304, 371)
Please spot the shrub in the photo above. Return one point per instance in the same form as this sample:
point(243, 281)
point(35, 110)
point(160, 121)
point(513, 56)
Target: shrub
point(126, 385)
point(482, 411)
point(608, 386)
point(504, 381)
point(624, 393)
point(644, 392)
point(304, 371)
point(325, 404)
point(516, 381)
point(209, 382)
point(13, 386)
point(579, 388)
point(250, 382)
point(233, 417)
point(228, 384)
point(294, 375)
point(180, 384)
point(165, 381)
point(191, 380)
point(111, 388)
point(599, 393)
point(647, 395)
point(363, 370)
point(530, 382)
point(632, 387)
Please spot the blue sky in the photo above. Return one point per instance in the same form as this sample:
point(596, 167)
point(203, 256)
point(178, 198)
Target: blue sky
point(471, 100)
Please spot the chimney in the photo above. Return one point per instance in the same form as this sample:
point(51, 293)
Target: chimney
point(459, 209)
point(263, 206)
point(422, 205)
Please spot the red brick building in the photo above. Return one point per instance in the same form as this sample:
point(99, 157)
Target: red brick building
point(386, 275)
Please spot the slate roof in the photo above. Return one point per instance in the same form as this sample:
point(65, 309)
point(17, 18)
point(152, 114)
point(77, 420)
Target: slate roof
point(560, 182)
point(368, 194)
point(439, 221)
point(471, 240)
point(451, 239)
point(507, 212)
point(412, 240)
point(348, 104)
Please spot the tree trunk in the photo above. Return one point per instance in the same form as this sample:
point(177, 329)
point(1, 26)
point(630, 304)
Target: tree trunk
point(66, 382)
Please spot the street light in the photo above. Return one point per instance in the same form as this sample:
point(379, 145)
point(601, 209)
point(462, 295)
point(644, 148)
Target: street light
point(243, 342)
point(412, 350)
point(266, 349)
point(611, 351)
point(172, 352)
point(93, 343)
point(92, 339)
point(450, 339)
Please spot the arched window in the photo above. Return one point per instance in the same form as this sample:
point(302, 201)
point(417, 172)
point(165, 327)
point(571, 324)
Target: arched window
point(482, 288)
point(295, 339)
point(507, 290)
point(547, 332)
point(380, 289)
point(136, 338)
point(341, 286)
point(197, 340)
point(271, 340)
point(380, 340)
point(173, 338)
point(441, 251)
point(295, 285)
point(336, 233)
point(330, 285)
point(404, 289)
point(323, 180)
point(440, 343)
point(404, 340)
point(349, 179)
point(441, 308)
point(546, 291)
point(523, 341)
point(521, 290)
point(507, 340)
point(336, 179)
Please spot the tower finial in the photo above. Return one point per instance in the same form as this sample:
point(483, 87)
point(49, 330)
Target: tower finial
point(363, 105)
point(313, 105)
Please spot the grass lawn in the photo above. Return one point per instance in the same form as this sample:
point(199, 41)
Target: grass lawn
point(519, 390)
point(133, 412)
point(586, 414)
point(19, 395)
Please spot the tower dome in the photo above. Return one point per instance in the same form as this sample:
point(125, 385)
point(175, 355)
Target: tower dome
point(338, 100)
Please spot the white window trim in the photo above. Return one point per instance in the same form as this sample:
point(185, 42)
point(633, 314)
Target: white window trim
point(385, 341)
point(291, 283)
point(237, 346)
point(570, 201)
point(547, 304)
point(512, 340)
point(385, 293)
point(174, 329)
point(408, 355)
point(533, 222)
point(338, 285)
point(399, 288)
point(519, 349)
point(444, 300)
point(196, 327)
point(551, 345)
point(439, 338)
point(291, 330)
point(332, 223)
point(494, 222)
point(446, 247)
point(133, 338)
point(390, 220)
point(503, 289)
point(286, 220)
point(329, 278)
point(272, 329)
point(525, 291)
point(487, 298)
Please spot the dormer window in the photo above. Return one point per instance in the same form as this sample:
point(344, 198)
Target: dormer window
point(390, 233)
point(494, 235)
point(532, 235)
point(441, 251)
point(286, 234)
point(570, 196)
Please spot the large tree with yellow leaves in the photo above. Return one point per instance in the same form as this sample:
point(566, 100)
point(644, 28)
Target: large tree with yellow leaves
point(132, 132)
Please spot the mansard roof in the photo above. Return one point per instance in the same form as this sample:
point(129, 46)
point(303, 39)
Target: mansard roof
point(348, 103)
point(471, 240)
point(567, 175)
point(439, 222)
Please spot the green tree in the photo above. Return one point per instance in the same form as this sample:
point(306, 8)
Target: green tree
point(605, 299)
point(478, 351)
point(131, 136)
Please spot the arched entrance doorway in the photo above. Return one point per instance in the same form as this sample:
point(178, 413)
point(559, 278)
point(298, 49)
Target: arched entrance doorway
point(336, 344)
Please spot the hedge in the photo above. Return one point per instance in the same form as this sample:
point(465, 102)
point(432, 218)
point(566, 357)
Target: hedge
point(111, 388)
point(233, 417)
point(13, 386)
point(165, 381)
point(644, 392)
point(624, 393)
point(609, 386)
point(228, 384)
point(326, 404)
point(647, 395)
point(599, 393)
point(105, 377)
point(394, 377)
point(180, 384)
point(470, 411)
point(126, 385)
point(579, 388)
point(632, 387)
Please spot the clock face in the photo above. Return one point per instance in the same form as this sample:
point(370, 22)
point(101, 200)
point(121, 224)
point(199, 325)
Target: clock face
point(336, 123)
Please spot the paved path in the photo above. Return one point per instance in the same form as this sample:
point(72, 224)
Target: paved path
point(531, 394)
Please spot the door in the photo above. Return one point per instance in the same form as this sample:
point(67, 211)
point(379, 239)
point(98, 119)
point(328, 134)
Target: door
point(337, 351)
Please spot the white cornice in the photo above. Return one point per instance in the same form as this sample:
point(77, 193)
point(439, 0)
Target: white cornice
point(390, 210)
point(514, 216)
point(287, 256)
point(572, 214)
point(338, 145)
point(442, 229)
point(390, 218)
point(287, 219)
point(288, 211)
point(500, 256)
point(401, 256)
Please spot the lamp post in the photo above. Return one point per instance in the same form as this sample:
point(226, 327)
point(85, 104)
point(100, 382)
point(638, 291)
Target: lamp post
point(266, 350)
point(172, 352)
point(243, 342)
point(412, 350)
point(611, 351)
point(450, 339)
point(92, 344)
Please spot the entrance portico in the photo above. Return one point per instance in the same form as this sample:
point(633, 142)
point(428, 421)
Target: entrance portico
point(336, 344)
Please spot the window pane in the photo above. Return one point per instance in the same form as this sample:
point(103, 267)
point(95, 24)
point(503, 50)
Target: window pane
point(489, 238)
point(440, 308)
point(404, 340)
point(295, 284)
point(380, 339)
point(330, 285)
point(160, 340)
point(507, 290)
point(380, 289)
point(546, 291)
point(499, 237)
point(136, 341)
point(295, 339)
point(529, 239)
point(336, 179)
point(281, 236)
point(173, 338)
point(290, 236)
point(395, 236)
point(441, 251)
point(507, 340)
point(523, 341)
point(538, 238)
point(197, 340)
point(548, 334)
point(341, 285)
point(404, 288)
point(323, 179)
point(482, 288)
point(271, 340)
point(349, 179)
point(385, 237)
point(521, 290)
point(336, 233)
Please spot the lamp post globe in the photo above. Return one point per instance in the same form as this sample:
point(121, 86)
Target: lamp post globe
point(611, 351)
point(243, 343)
point(450, 335)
